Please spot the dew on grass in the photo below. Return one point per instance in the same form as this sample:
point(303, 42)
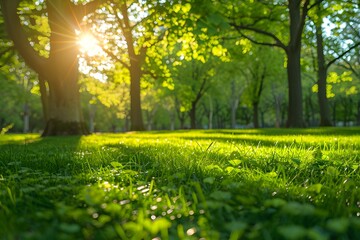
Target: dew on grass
point(191, 231)
point(123, 202)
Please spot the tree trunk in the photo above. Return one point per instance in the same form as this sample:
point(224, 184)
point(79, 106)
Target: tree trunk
point(172, 114)
point(277, 112)
point(136, 119)
point(136, 60)
point(65, 114)
point(192, 115)
point(234, 102)
point(211, 113)
point(293, 52)
point(255, 106)
point(334, 112)
point(44, 92)
point(26, 117)
point(322, 75)
point(358, 113)
point(295, 108)
point(277, 105)
point(92, 113)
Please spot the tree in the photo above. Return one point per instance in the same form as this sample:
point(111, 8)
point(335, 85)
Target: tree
point(57, 68)
point(261, 23)
point(133, 27)
point(322, 64)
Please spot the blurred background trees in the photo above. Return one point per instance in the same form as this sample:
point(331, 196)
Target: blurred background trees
point(150, 65)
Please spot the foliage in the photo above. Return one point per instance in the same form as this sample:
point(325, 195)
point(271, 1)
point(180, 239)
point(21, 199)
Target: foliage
point(173, 40)
point(224, 184)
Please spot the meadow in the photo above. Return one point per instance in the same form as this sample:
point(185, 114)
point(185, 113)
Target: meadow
point(203, 184)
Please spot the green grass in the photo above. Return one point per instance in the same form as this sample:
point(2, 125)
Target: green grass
point(225, 184)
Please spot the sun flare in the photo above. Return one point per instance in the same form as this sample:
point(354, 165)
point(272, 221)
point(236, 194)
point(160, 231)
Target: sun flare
point(89, 45)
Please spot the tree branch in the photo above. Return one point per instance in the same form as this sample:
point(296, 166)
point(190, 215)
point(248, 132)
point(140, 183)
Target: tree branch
point(342, 55)
point(18, 36)
point(351, 68)
point(278, 42)
point(82, 10)
point(305, 9)
point(115, 58)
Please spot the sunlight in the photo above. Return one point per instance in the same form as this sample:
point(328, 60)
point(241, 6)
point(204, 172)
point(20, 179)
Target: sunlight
point(89, 45)
point(91, 49)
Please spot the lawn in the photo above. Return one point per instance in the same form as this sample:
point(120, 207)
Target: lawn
point(215, 184)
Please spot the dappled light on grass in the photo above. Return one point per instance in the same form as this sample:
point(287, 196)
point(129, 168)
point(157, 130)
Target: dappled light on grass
point(186, 185)
point(18, 138)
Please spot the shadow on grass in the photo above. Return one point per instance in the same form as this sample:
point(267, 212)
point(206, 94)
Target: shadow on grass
point(340, 131)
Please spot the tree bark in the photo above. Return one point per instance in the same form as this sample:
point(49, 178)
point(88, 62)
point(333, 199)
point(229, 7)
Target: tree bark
point(136, 60)
point(92, 114)
point(255, 106)
point(26, 117)
point(257, 91)
point(234, 102)
point(192, 115)
point(136, 118)
point(211, 113)
point(295, 108)
point(293, 52)
point(358, 113)
point(325, 119)
point(334, 115)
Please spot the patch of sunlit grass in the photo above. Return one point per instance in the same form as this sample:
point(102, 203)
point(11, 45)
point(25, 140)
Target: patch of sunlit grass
point(225, 184)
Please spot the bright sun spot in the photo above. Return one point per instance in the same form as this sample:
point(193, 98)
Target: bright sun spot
point(89, 45)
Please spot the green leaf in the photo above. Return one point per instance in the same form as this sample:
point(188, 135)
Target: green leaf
point(272, 174)
point(220, 195)
point(69, 228)
point(315, 188)
point(332, 171)
point(116, 165)
point(232, 170)
point(276, 202)
point(292, 232)
point(298, 209)
point(235, 162)
point(339, 225)
point(209, 180)
point(296, 161)
point(236, 226)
